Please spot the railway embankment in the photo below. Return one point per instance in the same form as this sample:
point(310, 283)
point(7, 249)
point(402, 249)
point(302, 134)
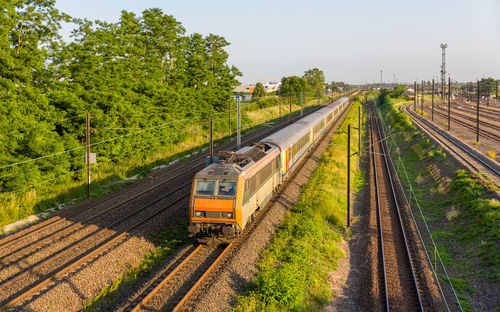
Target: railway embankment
point(293, 273)
point(457, 214)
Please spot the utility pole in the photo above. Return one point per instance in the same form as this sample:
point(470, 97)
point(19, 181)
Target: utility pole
point(301, 112)
point(496, 88)
point(229, 118)
point(422, 102)
point(238, 135)
point(279, 104)
point(381, 81)
point(415, 97)
point(432, 107)
point(88, 154)
point(211, 140)
point(348, 175)
point(477, 121)
point(443, 67)
point(449, 103)
point(290, 104)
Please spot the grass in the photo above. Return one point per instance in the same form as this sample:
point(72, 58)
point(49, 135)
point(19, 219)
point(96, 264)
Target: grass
point(110, 175)
point(464, 219)
point(167, 241)
point(293, 272)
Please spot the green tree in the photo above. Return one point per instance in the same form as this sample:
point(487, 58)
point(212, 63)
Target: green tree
point(315, 80)
point(487, 86)
point(259, 90)
point(292, 85)
point(398, 90)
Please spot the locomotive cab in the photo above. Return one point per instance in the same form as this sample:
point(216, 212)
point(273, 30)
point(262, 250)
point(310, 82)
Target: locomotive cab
point(213, 202)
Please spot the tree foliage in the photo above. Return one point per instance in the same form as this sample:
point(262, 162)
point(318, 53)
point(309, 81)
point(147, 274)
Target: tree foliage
point(292, 85)
point(315, 80)
point(141, 72)
point(259, 90)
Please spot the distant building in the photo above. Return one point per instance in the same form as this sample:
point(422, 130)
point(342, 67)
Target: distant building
point(270, 86)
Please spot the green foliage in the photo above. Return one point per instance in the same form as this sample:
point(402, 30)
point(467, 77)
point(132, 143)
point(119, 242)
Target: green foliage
point(315, 80)
point(292, 85)
point(259, 90)
point(144, 80)
point(487, 86)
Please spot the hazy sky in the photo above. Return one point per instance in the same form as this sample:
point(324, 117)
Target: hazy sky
point(350, 40)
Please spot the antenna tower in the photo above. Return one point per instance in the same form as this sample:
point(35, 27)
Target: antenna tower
point(443, 67)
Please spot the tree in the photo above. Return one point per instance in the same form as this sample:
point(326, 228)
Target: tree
point(259, 90)
point(487, 86)
point(315, 80)
point(398, 91)
point(292, 85)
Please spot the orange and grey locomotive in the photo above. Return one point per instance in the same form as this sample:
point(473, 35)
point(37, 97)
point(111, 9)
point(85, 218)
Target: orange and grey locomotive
point(226, 195)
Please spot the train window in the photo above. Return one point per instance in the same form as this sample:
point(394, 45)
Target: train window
point(205, 187)
point(227, 188)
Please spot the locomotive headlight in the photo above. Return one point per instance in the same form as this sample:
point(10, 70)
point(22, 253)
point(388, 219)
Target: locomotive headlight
point(199, 214)
point(229, 215)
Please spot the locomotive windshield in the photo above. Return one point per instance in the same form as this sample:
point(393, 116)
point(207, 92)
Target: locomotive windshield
point(205, 187)
point(227, 188)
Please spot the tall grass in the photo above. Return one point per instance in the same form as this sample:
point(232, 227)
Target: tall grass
point(293, 272)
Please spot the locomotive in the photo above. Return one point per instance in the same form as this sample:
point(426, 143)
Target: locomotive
point(226, 195)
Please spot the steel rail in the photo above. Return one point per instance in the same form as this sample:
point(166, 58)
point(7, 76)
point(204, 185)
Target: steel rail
point(483, 133)
point(483, 122)
point(103, 245)
point(379, 217)
point(152, 293)
point(398, 210)
point(424, 124)
point(202, 278)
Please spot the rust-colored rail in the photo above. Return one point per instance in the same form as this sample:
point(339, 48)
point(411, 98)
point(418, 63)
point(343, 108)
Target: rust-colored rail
point(202, 278)
point(153, 292)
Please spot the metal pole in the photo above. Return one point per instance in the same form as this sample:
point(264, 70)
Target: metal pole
point(348, 174)
point(449, 99)
point(301, 104)
point(422, 102)
point(432, 105)
point(279, 103)
point(88, 154)
point(359, 130)
point(229, 117)
point(211, 140)
point(477, 121)
point(415, 97)
point(496, 88)
point(238, 136)
point(290, 104)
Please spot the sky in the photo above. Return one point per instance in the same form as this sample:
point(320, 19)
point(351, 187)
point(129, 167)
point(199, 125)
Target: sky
point(350, 40)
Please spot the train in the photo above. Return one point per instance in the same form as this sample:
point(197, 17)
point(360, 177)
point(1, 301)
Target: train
point(226, 195)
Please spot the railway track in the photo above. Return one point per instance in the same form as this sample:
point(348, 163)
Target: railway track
point(173, 289)
point(487, 113)
point(45, 270)
point(476, 161)
point(482, 118)
point(397, 269)
point(482, 132)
